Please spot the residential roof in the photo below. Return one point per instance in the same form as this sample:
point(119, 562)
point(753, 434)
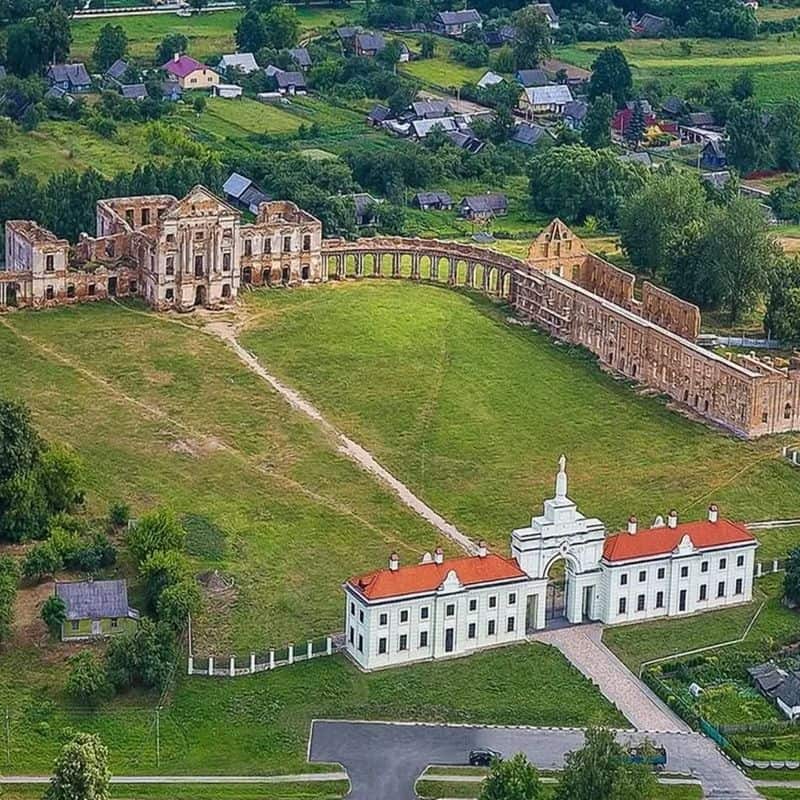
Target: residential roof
point(422, 127)
point(490, 79)
point(432, 198)
point(704, 535)
point(555, 95)
point(57, 93)
point(547, 10)
point(529, 134)
point(553, 66)
point(429, 109)
point(287, 79)
point(651, 24)
point(301, 56)
point(532, 77)
point(637, 157)
point(379, 113)
point(715, 146)
point(767, 677)
point(576, 109)
point(253, 197)
point(642, 103)
point(117, 69)
point(73, 74)
point(789, 691)
point(385, 584)
point(364, 202)
point(469, 16)
point(346, 32)
point(466, 140)
point(245, 62)
point(701, 119)
point(491, 202)
point(133, 91)
point(673, 105)
point(95, 599)
point(370, 41)
point(236, 185)
point(182, 66)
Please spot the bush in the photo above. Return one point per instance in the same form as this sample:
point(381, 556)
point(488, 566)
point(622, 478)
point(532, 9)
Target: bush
point(177, 602)
point(87, 680)
point(159, 572)
point(141, 657)
point(158, 530)
point(118, 514)
point(54, 613)
point(42, 559)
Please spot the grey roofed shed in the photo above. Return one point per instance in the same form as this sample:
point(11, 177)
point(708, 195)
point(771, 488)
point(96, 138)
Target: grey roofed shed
point(236, 185)
point(301, 57)
point(95, 599)
point(133, 91)
point(469, 16)
point(117, 69)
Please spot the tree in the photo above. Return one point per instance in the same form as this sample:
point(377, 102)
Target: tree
point(177, 602)
point(199, 103)
point(8, 592)
point(531, 43)
point(111, 44)
point(427, 46)
point(87, 681)
point(158, 530)
point(172, 43)
point(283, 27)
point(159, 571)
point(634, 132)
point(55, 34)
point(504, 60)
point(61, 474)
point(54, 613)
point(784, 130)
point(251, 32)
point(513, 779)
point(782, 318)
point(654, 219)
point(41, 560)
point(81, 771)
point(600, 771)
point(742, 86)
point(142, 656)
point(748, 142)
point(791, 577)
point(23, 50)
point(611, 75)
point(20, 445)
point(596, 128)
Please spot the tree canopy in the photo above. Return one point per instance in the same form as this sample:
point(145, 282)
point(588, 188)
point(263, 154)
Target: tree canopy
point(531, 43)
point(611, 75)
point(81, 771)
point(513, 779)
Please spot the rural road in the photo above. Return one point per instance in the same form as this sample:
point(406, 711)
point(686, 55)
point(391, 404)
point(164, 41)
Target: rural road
point(386, 759)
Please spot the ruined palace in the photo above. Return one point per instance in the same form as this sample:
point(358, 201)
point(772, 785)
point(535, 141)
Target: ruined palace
point(199, 252)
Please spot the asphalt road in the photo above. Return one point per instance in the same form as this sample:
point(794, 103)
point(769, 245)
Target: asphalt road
point(384, 760)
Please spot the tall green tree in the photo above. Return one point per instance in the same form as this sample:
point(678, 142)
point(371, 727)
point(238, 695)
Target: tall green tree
point(87, 681)
point(157, 531)
point(791, 577)
point(748, 146)
point(283, 27)
point(111, 44)
point(634, 133)
point(81, 771)
point(55, 34)
point(596, 129)
point(782, 318)
point(784, 130)
point(513, 779)
point(599, 771)
point(24, 55)
point(251, 32)
point(611, 75)
point(531, 43)
point(172, 43)
point(53, 613)
point(20, 445)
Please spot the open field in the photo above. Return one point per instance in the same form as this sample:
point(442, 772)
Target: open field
point(209, 34)
point(772, 13)
point(773, 62)
point(233, 119)
point(286, 791)
point(474, 413)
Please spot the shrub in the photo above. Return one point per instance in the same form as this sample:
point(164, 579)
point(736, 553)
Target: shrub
point(158, 530)
point(53, 613)
point(87, 680)
point(118, 514)
point(177, 602)
point(160, 571)
point(42, 559)
point(141, 657)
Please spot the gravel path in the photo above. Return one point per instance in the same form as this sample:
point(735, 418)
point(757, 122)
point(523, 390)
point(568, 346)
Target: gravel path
point(583, 647)
point(346, 445)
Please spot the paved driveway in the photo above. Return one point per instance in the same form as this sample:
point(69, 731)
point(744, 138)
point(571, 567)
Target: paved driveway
point(384, 760)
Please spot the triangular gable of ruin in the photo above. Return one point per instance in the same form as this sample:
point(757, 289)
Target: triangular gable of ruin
point(557, 240)
point(200, 202)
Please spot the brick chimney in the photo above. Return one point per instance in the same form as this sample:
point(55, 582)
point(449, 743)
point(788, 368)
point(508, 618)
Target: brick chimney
point(394, 562)
point(633, 525)
point(672, 519)
point(713, 513)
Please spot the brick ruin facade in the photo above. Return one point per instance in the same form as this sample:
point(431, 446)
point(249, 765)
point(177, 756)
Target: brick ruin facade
point(175, 254)
point(197, 251)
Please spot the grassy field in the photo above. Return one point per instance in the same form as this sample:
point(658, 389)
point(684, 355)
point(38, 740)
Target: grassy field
point(473, 413)
point(333, 790)
point(771, 13)
point(773, 62)
point(209, 34)
point(777, 543)
point(234, 119)
point(635, 644)
point(260, 724)
point(434, 790)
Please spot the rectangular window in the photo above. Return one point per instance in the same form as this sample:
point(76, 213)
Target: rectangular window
point(114, 622)
point(145, 216)
point(703, 592)
point(91, 290)
point(403, 645)
point(424, 612)
point(471, 631)
point(381, 645)
point(473, 604)
point(74, 625)
point(170, 238)
point(492, 627)
point(661, 573)
point(721, 589)
point(361, 615)
point(404, 615)
point(623, 605)
point(640, 603)
point(306, 243)
point(704, 567)
point(423, 639)
point(226, 262)
point(642, 576)
point(352, 609)
point(198, 266)
point(682, 600)
point(267, 245)
point(684, 572)
point(383, 619)
point(659, 599)
point(740, 561)
point(248, 247)
point(170, 266)
point(623, 579)
point(512, 599)
point(48, 263)
point(287, 244)
point(352, 635)
point(450, 610)
point(739, 586)
point(723, 562)
point(510, 622)
point(170, 294)
point(360, 643)
point(493, 601)
point(198, 236)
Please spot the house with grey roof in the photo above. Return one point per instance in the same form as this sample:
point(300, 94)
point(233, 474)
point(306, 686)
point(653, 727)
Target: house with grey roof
point(482, 207)
point(489, 79)
point(430, 109)
point(550, 13)
point(531, 77)
point(574, 114)
point(529, 134)
point(465, 139)
point(95, 608)
point(290, 82)
point(116, 71)
point(780, 686)
point(133, 91)
point(71, 78)
point(369, 44)
point(301, 57)
point(243, 193)
point(378, 115)
point(242, 62)
point(455, 23)
point(545, 99)
point(432, 201)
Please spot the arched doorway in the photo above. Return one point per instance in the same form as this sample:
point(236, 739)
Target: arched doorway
point(555, 609)
point(200, 296)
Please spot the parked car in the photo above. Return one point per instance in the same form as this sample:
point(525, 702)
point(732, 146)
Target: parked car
point(483, 758)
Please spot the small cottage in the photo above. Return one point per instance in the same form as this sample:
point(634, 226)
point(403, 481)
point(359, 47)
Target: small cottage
point(95, 608)
point(483, 206)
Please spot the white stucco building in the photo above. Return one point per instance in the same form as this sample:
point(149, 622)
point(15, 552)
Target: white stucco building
point(441, 608)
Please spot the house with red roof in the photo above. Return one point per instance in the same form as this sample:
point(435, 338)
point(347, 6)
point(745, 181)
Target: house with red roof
point(565, 568)
point(189, 73)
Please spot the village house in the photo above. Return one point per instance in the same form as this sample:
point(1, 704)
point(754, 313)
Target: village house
point(544, 99)
point(116, 72)
point(368, 45)
point(499, 37)
point(562, 72)
point(290, 82)
point(442, 608)
point(227, 91)
point(71, 78)
point(455, 23)
point(133, 91)
point(780, 686)
point(243, 193)
point(301, 57)
point(432, 201)
point(531, 77)
point(367, 208)
point(241, 62)
point(712, 155)
point(575, 113)
point(94, 609)
point(378, 115)
point(650, 26)
point(549, 12)
point(488, 79)
point(189, 73)
point(529, 134)
point(431, 109)
point(483, 207)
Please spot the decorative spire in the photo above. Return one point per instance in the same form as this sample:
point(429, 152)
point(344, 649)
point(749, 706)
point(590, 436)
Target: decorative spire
point(561, 478)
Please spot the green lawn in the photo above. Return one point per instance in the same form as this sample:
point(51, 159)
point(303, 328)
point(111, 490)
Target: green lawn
point(259, 724)
point(433, 790)
point(773, 62)
point(777, 542)
point(286, 791)
point(443, 71)
point(234, 119)
point(780, 792)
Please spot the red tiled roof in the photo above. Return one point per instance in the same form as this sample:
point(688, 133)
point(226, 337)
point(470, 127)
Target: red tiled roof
point(418, 578)
point(182, 66)
point(660, 541)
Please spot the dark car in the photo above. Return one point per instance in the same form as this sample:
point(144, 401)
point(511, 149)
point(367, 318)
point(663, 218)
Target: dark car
point(483, 758)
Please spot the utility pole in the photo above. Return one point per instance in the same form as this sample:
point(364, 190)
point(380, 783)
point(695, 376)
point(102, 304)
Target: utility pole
point(158, 737)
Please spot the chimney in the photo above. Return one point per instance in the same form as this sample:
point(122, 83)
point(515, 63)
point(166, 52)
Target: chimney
point(658, 522)
point(427, 558)
point(438, 556)
point(672, 519)
point(176, 57)
point(713, 513)
point(394, 562)
point(482, 551)
point(632, 525)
